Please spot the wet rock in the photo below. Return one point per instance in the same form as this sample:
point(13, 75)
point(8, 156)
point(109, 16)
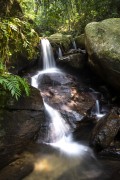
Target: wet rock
point(105, 131)
point(73, 51)
point(111, 152)
point(104, 52)
point(77, 60)
point(20, 122)
point(33, 102)
point(54, 79)
point(74, 105)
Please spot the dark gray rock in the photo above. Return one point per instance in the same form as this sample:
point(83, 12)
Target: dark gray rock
point(80, 41)
point(20, 122)
point(76, 60)
point(105, 131)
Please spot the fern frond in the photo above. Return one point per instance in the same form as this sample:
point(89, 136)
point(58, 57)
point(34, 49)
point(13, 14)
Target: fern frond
point(15, 85)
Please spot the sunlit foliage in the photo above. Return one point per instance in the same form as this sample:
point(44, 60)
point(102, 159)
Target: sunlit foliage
point(68, 15)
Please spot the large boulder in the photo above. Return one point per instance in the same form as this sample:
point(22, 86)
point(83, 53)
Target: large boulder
point(103, 47)
point(20, 122)
point(76, 60)
point(105, 131)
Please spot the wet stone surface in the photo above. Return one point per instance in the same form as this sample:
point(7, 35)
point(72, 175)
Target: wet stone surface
point(74, 100)
point(62, 93)
point(41, 161)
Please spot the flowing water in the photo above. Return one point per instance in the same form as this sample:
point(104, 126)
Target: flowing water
point(61, 157)
point(98, 112)
point(74, 154)
point(97, 109)
point(48, 57)
point(60, 52)
point(74, 45)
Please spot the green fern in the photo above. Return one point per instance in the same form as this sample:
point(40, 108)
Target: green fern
point(15, 85)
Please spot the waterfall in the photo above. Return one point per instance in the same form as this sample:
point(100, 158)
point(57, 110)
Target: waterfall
point(74, 45)
point(98, 111)
point(47, 53)
point(60, 153)
point(59, 130)
point(59, 52)
point(97, 107)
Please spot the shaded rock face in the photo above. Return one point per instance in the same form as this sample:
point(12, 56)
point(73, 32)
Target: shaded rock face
point(103, 47)
point(19, 124)
point(21, 64)
point(105, 131)
point(80, 41)
point(76, 60)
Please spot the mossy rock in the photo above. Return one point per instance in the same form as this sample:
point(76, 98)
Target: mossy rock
point(103, 47)
point(60, 40)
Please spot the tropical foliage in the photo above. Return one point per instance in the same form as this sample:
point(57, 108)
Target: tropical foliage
point(68, 15)
point(21, 19)
point(17, 37)
point(12, 83)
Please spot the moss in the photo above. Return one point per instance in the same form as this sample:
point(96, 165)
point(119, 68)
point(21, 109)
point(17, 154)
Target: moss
point(104, 37)
point(103, 41)
point(61, 40)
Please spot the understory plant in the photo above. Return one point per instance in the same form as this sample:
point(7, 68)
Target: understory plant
point(16, 38)
point(13, 84)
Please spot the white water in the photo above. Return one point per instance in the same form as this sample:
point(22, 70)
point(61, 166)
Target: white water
point(98, 112)
point(97, 104)
point(59, 52)
point(97, 107)
point(74, 45)
point(48, 57)
point(59, 129)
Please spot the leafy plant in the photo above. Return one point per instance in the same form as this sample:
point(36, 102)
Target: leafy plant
point(14, 84)
point(17, 37)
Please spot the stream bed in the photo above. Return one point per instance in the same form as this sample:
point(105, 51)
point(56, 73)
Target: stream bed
point(73, 103)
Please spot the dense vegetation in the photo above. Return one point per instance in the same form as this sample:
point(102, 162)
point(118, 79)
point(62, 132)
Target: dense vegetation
point(22, 20)
point(50, 16)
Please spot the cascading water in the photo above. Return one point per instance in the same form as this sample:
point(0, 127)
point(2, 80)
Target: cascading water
point(48, 57)
point(59, 52)
point(60, 131)
point(74, 45)
point(98, 112)
point(97, 107)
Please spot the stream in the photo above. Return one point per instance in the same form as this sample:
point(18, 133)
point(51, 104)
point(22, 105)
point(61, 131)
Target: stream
point(59, 153)
point(73, 155)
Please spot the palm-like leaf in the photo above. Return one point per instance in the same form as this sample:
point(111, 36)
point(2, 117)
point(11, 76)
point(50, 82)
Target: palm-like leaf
point(15, 85)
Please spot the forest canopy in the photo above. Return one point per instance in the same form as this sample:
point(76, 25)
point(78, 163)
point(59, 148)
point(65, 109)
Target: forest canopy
point(51, 16)
point(23, 21)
